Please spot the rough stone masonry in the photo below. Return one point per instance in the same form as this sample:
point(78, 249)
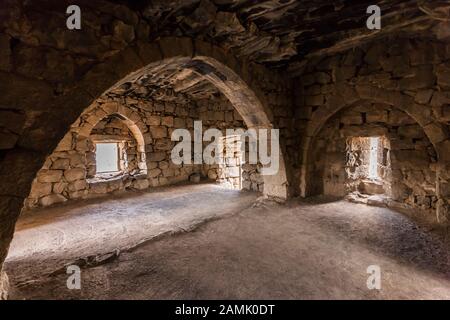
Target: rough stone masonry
point(137, 70)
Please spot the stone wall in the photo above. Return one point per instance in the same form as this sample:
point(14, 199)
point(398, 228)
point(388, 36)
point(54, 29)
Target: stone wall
point(398, 88)
point(339, 165)
point(69, 172)
point(4, 286)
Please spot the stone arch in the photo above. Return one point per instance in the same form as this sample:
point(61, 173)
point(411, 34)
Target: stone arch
point(405, 169)
point(347, 96)
point(95, 114)
point(235, 79)
point(28, 152)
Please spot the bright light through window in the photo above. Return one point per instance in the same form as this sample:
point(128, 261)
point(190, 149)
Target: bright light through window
point(373, 160)
point(107, 157)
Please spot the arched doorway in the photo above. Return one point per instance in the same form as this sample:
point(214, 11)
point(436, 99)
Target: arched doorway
point(206, 62)
point(405, 159)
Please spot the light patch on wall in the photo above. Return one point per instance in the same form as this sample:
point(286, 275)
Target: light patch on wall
point(373, 160)
point(107, 157)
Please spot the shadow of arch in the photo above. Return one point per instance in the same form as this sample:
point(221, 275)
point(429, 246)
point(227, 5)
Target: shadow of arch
point(340, 101)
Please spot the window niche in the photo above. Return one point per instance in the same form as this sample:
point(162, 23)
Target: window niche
point(367, 164)
point(115, 153)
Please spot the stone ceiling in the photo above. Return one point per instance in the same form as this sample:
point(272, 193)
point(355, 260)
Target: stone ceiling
point(169, 82)
point(284, 33)
point(281, 34)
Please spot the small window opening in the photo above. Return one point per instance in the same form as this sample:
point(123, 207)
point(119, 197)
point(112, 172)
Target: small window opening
point(107, 157)
point(373, 158)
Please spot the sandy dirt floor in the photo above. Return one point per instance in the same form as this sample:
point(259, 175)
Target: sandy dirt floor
point(205, 242)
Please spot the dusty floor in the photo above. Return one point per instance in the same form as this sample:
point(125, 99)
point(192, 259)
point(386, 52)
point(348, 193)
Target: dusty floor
point(293, 251)
point(53, 237)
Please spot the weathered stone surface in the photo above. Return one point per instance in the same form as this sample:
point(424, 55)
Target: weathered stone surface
point(52, 199)
point(99, 188)
point(77, 186)
point(436, 132)
point(377, 117)
point(59, 187)
point(423, 78)
point(157, 156)
point(445, 113)
point(123, 32)
point(4, 286)
point(60, 164)
point(167, 121)
point(195, 178)
point(314, 100)
point(158, 132)
point(354, 118)
point(411, 131)
point(74, 174)
point(12, 121)
point(8, 140)
point(40, 189)
point(424, 96)
point(411, 158)
point(153, 120)
point(49, 176)
point(443, 74)
point(141, 184)
point(400, 118)
point(154, 172)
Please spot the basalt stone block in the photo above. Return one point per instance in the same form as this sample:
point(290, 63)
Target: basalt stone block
point(153, 173)
point(123, 32)
point(443, 75)
point(424, 96)
point(74, 174)
point(352, 118)
point(445, 113)
point(8, 140)
point(140, 184)
point(436, 132)
point(195, 178)
point(59, 187)
point(52, 199)
point(424, 78)
point(77, 186)
point(411, 131)
point(156, 156)
point(167, 121)
point(49, 176)
point(60, 164)
point(40, 189)
point(12, 121)
point(317, 100)
point(158, 132)
point(4, 286)
point(411, 158)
